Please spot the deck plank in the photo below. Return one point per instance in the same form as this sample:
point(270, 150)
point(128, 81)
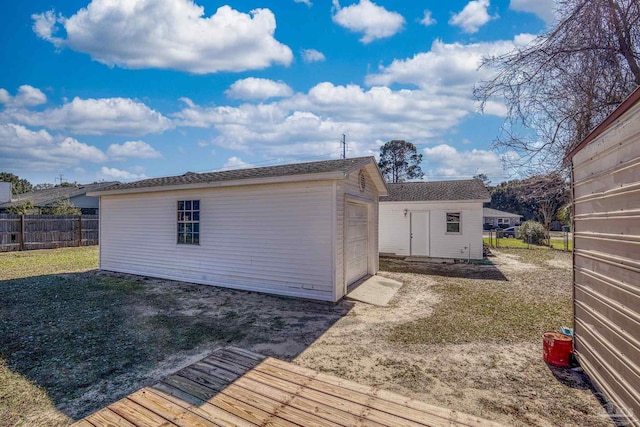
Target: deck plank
point(272, 406)
point(106, 417)
point(297, 398)
point(204, 409)
point(177, 414)
point(236, 387)
point(138, 415)
point(386, 401)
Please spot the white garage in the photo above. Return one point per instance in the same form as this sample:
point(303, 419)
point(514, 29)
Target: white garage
point(306, 230)
point(437, 219)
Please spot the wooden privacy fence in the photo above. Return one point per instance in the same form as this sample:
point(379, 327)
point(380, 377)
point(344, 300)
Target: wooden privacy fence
point(26, 232)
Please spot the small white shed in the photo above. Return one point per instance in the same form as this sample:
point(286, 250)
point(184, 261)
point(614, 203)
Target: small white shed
point(438, 219)
point(306, 230)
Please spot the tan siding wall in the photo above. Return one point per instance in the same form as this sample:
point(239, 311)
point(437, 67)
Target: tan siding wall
point(606, 186)
point(395, 228)
point(271, 238)
point(349, 189)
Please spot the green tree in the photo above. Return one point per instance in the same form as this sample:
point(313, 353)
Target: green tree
point(26, 208)
point(484, 178)
point(62, 207)
point(18, 185)
point(400, 161)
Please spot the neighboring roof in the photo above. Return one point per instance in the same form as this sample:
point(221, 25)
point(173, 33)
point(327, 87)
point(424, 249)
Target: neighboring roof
point(41, 198)
point(325, 169)
point(469, 189)
point(615, 115)
point(495, 213)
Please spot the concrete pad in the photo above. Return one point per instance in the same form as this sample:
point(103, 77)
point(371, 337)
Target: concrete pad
point(375, 290)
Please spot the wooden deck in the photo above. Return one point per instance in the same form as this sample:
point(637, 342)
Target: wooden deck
point(234, 387)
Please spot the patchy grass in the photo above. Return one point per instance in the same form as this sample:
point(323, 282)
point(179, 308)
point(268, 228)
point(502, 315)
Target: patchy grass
point(25, 403)
point(505, 243)
point(47, 261)
point(471, 312)
point(73, 340)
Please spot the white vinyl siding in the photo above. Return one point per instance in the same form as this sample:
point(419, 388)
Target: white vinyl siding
point(395, 229)
point(271, 238)
point(349, 190)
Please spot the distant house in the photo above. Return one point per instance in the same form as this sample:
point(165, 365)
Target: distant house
point(606, 257)
point(500, 219)
point(76, 193)
point(307, 230)
point(439, 219)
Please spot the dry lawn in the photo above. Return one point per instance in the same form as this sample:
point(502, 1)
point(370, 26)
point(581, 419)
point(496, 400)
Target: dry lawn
point(462, 336)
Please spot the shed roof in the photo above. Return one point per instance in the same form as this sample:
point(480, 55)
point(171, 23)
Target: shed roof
point(41, 198)
point(615, 115)
point(495, 213)
point(469, 189)
point(325, 169)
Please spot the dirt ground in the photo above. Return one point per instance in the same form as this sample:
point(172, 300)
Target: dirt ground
point(138, 330)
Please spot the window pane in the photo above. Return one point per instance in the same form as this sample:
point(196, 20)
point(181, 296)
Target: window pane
point(180, 216)
point(453, 217)
point(187, 205)
point(453, 227)
point(196, 238)
point(188, 228)
point(181, 238)
point(180, 205)
point(187, 216)
point(196, 205)
point(180, 228)
point(196, 216)
point(196, 228)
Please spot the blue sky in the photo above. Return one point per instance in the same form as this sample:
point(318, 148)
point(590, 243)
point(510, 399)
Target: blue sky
point(124, 90)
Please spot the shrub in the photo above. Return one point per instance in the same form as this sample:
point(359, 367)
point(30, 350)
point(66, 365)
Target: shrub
point(532, 232)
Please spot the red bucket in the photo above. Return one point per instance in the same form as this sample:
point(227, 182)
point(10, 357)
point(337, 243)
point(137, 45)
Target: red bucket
point(557, 348)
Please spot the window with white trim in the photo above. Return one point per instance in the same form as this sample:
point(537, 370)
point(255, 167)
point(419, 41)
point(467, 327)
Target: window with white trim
point(189, 222)
point(503, 221)
point(454, 221)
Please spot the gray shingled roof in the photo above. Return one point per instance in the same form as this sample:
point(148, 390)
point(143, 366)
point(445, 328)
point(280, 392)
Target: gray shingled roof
point(491, 213)
point(41, 198)
point(469, 189)
point(325, 166)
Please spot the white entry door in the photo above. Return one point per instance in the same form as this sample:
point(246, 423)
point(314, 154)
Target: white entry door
point(420, 233)
point(356, 244)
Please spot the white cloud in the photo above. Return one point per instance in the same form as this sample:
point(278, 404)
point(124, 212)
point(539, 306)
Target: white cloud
point(448, 68)
point(312, 123)
point(133, 149)
point(173, 34)
point(21, 147)
point(255, 88)
point(366, 17)
point(119, 174)
point(121, 116)
point(307, 2)
point(444, 161)
point(427, 19)
point(27, 96)
point(473, 16)
point(544, 9)
point(312, 55)
point(236, 163)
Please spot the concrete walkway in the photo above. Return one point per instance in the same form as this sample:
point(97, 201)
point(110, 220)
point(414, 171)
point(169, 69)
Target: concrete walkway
point(375, 290)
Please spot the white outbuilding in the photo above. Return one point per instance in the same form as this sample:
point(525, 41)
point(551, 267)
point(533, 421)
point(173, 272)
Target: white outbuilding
point(438, 219)
point(306, 230)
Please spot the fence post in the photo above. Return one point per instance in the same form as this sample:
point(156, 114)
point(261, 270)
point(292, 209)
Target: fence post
point(79, 230)
point(22, 232)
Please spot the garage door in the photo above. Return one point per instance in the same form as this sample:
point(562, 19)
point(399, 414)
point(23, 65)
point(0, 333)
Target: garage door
point(357, 242)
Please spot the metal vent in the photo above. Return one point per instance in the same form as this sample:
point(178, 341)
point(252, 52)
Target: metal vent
point(362, 181)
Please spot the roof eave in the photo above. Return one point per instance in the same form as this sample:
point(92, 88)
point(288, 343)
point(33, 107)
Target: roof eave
point(611, 118)
point(218, 184)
